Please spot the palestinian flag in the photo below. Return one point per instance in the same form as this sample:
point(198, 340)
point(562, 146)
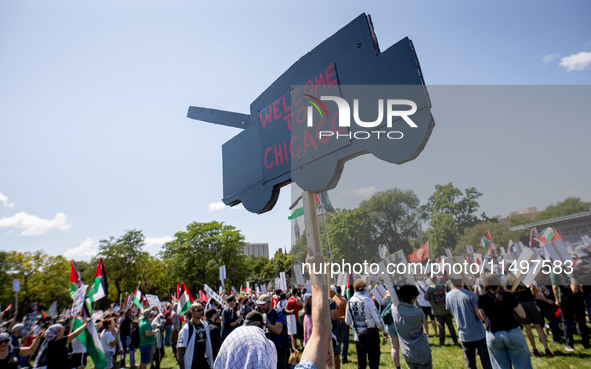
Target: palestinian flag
point(350, 289)
point(297, 208)
point(241, 291)
point(173, 299)
point(421, 254)
point(185, 299)
point(75, 280)
point(90, 338)
point(202, 296)
point(8, 308)
point(137, 297)
point(99, 288)
point(486, 240)
point(549, 235)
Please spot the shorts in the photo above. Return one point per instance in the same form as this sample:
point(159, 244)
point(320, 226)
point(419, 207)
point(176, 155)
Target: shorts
point(146, 354)
point(532, 314)
point(392, 332)
point(427, 312)
point(109, 359)
point(77, 360)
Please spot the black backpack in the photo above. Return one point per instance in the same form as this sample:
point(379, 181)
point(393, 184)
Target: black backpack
point(135, 335)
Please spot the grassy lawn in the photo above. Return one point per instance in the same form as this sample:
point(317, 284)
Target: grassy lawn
point(448, 356)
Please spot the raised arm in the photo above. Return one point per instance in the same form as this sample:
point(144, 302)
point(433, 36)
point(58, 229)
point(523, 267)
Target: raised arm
point(75, 334)
point(317, 347)
point(27, 351)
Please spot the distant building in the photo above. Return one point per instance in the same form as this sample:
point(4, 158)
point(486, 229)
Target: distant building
point(256, 249)
point(527, 212)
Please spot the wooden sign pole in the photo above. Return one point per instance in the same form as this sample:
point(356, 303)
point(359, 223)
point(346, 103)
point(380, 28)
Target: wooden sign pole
point(313, 240)
point(518, 281)
point(466, 282)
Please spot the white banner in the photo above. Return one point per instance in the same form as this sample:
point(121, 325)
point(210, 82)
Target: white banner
point(78, 302)
point(211, 294)
point(153, 300)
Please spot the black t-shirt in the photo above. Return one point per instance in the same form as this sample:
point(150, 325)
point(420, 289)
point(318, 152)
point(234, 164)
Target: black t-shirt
point(125, 328)
point(499, 315)
point(228, 316)
point(214, 334)
point(57, 354)
point(11, 360)
point(582, 273)
point(199, 360)
point(523, 294)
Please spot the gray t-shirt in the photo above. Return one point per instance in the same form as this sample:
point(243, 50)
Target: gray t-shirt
point(463, 304)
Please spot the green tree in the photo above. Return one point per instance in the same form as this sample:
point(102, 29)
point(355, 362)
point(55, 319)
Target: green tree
point(396, 219)
point(350, 233)
point(519, 220)
point(450, 213)
point(571, 205)
point(194, 256)
point(125, 263)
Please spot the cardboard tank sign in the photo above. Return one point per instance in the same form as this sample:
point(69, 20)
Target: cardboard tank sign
point(343, 99)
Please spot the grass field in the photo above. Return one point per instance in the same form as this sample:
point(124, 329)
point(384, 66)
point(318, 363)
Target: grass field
point(448, 356)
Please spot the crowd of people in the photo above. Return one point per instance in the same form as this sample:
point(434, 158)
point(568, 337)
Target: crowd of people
point(311, 329)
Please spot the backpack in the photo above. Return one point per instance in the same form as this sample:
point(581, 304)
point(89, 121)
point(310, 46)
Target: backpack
point(387, 315)
point(135, 336)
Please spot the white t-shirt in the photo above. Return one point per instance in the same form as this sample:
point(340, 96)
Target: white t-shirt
point(106, 338)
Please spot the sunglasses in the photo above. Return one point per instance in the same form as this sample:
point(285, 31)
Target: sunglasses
point(197, 310)
point(4, 341)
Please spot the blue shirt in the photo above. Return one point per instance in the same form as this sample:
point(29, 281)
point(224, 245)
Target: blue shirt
point(463, 304)
point(275, 317)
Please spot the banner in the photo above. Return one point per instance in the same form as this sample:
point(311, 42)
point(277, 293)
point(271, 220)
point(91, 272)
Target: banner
point(153, 300)
point(211, 294)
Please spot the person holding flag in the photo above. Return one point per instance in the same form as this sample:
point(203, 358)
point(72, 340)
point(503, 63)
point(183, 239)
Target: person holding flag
point(53, 353)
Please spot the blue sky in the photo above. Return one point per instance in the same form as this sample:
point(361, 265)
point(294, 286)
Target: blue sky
point(94, 138)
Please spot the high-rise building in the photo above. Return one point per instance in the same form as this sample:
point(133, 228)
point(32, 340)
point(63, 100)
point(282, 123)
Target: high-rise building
point(256, 249)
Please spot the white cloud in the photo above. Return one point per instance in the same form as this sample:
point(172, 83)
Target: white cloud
point(33, 225)
point(549, 58)
point(578, 61)
point(216, 206)
point(156, 241)
point(361, 192)
point(4, 200)
point(87, 249)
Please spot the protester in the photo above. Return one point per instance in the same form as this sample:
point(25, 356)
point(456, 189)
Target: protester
point(463, 304)
point(394, 342)
point(9, 355)
point(293, 307)
point(545, 300)
point(244, 308)
point(125, 336)
point(176, 327)
point(409, 320)
point(109, 341)
point(572, 306)
point(274, 330)
point(147, 338)
point(526, 298)
point(335, 319)
point(282, 302)
point(53, 352)
point(506, 344)
point(248, 347)
point(581, 276)
point(211, 315)
point(231, 319)
point(343, 336)
point(435, 294)
point(158, 346)
point(362, 313)
point(426, 307)
point(194, 344)
point(167, 324)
